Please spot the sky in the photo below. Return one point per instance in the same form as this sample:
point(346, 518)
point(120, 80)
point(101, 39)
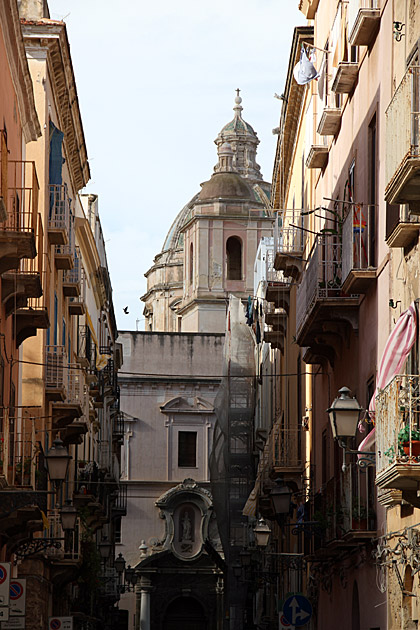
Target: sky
point(156, 83)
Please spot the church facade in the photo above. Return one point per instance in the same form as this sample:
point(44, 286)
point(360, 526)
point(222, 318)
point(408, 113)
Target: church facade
point(210, 249)
point(171, 377)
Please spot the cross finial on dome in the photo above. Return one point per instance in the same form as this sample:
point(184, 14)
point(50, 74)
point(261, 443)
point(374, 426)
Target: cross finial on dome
point(238, 100)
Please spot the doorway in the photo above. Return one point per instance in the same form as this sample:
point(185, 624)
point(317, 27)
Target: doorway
point(186, 613)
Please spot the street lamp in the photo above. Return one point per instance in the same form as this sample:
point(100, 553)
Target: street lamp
point(68, 514)
point(262, 533)
point(119, 564)
point(344, 416)
point(105, 547)
point(58, 459)
point(280, 497)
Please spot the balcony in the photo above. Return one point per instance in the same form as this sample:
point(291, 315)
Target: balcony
point(330, 121)
point(70, 551)
point(22, 497)
point(289, 243)
point(402, 226)
point(397, 426)
point(64, 387)
point(402, 163)
point(364, 20)
point(343, 513)
point(308, 8)
point(118, 428)
point(285, 444)
point(59, 215)
point(25, 281)
point(77, 304)
point(119, 506)
point(358, 504)
point(278, 285)
point(86, 352)
point(18, 230)
point(325, 314)
point(317, 156)
point(346, 77)
point(72, 278)
point(359, 272)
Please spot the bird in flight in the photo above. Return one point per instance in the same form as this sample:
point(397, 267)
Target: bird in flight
point(125, 309)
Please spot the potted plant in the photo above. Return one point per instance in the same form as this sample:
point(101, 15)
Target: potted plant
point(405, 437)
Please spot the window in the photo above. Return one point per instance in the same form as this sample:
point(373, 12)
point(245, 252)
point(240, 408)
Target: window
point(234, 258)
point(187, 449)
point(117, 531)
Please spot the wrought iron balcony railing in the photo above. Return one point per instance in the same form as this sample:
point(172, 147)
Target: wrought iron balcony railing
point(61, 375)
point(358, 263)
point(59, 214)
point(70, 543)
point(397, 430)
point(322, 277)
point(274, 275)
point(289, 238)
point(22, 197)
point(403, 141)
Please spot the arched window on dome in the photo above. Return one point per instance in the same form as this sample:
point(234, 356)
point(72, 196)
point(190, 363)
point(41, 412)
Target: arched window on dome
point(234, 258)
point(191, 266)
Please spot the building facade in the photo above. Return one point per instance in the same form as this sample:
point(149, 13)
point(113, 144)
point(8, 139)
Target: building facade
point(341, 300)
point(59, 389)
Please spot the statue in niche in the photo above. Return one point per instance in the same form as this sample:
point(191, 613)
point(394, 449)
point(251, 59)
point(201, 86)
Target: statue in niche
point(186, 529)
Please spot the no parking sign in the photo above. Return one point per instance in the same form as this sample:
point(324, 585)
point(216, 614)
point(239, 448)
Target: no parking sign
point(17, 596)
point(4, 583)
point(60, 623)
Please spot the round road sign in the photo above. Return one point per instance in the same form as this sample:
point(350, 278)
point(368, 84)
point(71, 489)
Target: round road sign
point(16, 590)
point(55, 624)
point(3, 573)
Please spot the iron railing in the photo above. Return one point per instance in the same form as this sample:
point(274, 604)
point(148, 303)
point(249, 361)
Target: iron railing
point(397, 421)
point(74, 276)
point(59, 214)
point(70, 547)
point(285, 446)
point(271, 274)
point(358, 499)
point(22, 197)
point(60, 374)
point(118, 425)
point(86, 348)
point(358, 233)
point(403, 123)
point(322, 277)
point(289, 238)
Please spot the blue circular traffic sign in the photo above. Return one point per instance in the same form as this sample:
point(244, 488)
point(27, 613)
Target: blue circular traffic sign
point(55, 624)
point(297, 610)
point(16, 590)
point(3, 573)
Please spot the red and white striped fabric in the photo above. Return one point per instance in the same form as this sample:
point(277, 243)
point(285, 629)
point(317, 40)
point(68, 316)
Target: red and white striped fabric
point(397, 349)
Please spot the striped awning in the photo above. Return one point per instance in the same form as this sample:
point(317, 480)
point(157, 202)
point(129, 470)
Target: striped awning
point(396, 351)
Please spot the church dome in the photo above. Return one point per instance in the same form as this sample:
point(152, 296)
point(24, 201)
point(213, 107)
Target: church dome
point(226, 185)
point(243, 141)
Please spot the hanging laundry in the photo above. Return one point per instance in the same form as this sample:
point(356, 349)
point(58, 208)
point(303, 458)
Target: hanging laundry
point(249, 312)
point(258, 332)
point(305, 71)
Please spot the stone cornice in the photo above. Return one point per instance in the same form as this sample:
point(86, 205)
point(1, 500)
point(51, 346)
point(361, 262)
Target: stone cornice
point(18, 64)
point(52, 35)
point(289, 120)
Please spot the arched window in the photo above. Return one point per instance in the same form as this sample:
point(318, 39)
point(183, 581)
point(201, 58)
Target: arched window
point(191, 263)
point(234, 258)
